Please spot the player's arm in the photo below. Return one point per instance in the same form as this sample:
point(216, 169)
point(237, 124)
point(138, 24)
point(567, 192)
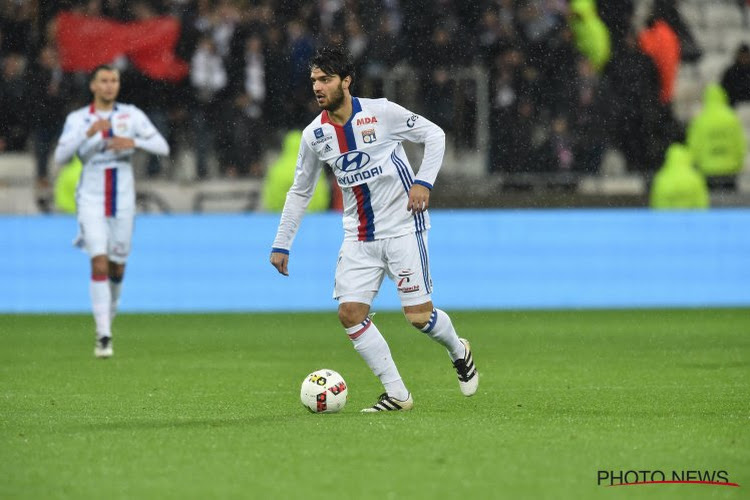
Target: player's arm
point(305, 178)
point(147, 137)
point(405, 125)
point(72, 137)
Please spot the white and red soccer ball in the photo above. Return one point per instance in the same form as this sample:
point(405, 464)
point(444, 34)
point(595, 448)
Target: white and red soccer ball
point(324, 391)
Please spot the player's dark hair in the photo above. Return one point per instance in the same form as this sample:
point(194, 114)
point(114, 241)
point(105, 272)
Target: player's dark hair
point(102, 67)
point(333, 60)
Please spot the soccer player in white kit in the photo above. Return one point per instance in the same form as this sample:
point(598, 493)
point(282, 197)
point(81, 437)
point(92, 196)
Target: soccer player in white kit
point(105, 135)
point(385, 218)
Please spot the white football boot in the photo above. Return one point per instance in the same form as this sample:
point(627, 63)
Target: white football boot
point(389, 403)
point(103, 347)
point(468, 376)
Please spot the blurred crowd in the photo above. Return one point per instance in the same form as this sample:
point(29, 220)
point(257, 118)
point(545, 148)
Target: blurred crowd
point(567, 79)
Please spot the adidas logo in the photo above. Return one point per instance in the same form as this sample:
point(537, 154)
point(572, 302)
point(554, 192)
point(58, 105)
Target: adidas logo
point(327, 149)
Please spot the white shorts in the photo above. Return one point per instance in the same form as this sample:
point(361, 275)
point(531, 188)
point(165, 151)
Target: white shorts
point(362, 265)
point(110, 236)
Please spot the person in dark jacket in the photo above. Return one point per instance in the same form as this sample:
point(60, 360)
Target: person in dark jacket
point(736, 79)
point(47, 105)
point(633, 120)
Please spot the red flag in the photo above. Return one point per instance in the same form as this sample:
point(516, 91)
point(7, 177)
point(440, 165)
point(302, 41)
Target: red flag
point(85, 42)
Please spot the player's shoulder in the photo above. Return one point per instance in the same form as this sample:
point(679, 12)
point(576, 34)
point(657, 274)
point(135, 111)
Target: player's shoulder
point(124, 107)
point(79, 113)
point(377, 104)
point(314, 129)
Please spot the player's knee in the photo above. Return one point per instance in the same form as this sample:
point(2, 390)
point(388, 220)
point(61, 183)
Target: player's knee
point(116, 271)
point(99, 266)
point(350, 314)
point(418, 319)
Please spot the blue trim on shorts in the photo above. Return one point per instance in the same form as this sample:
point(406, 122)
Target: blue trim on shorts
point(280, 250)
point(425, 261)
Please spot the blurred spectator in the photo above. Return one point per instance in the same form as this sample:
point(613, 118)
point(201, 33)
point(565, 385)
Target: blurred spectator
point(667, 11)
point(511, 116)
point(277, 110)
point(587, 120)
point(280, 177)
point(357, 42)
point(14, 101)
point(736, 79)
point(300, 48)
point(250, 147)
point(555, 154)
point(659, 41)
point(224, 20)
point(633, 117)
point(716, 139)
point(382, 55)
point(66, 184)
point(591, 34)
point(240, 146)
point(17, 26)
point(536, 23)
point(618, 17)
point(678, 185)
point(47, 106)
point(208, 78)
point(439, 85)
point(559, 72)
point(744, 6)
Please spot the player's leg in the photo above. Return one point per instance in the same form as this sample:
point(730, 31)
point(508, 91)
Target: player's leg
point(121, 233)
point(116, 274)
point(100, 295)
point(409, 267)
point(358, 277)
point(93, 237)
point(437, 325)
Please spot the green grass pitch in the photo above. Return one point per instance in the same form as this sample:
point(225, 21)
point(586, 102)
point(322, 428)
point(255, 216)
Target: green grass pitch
point(207, 406)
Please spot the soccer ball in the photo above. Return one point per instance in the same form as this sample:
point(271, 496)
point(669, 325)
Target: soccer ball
point(324, 391)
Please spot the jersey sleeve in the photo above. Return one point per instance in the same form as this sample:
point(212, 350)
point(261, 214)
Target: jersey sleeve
point(147, 137)
point(306, 177)
point(405, 125)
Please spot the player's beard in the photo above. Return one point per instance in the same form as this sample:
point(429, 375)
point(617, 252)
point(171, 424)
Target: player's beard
point(335, 100)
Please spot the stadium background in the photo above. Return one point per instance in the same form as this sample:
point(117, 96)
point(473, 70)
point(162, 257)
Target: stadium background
point(530, 120)
point(531, 124)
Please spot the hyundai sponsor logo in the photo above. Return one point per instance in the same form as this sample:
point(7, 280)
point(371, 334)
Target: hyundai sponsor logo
point(351, 161)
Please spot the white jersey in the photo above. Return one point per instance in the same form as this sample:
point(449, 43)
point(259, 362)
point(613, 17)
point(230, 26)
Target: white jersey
point(107, 187)
point(370, 166)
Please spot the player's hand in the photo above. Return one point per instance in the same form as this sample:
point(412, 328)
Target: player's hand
point(419, 199)
point(280, 261)
point(98, 126)
point(120, 143)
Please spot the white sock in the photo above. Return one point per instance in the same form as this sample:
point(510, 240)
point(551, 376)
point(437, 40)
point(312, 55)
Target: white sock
point(100, 304)
point(440, 329)
point(114, 290)
point(370, 344)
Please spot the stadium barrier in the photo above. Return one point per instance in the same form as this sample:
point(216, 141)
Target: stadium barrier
point(491, 259)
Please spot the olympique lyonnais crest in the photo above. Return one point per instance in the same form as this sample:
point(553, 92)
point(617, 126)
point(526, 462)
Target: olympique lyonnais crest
point(368, 136)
